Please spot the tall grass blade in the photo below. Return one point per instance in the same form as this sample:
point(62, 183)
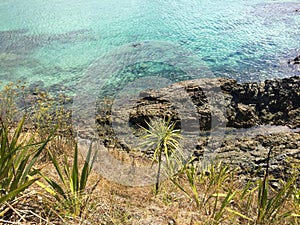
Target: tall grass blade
point(88, 164)
point(74, 178)
point(17, 158)
point(225, 202)
point(17, 191)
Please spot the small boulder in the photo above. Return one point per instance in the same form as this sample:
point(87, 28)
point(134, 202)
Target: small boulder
point(246, 116)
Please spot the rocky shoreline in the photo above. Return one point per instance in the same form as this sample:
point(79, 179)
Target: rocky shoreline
point(271, 105)
point(251, 119)
point(275, 102)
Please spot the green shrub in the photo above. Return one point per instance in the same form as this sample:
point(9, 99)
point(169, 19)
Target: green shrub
point(164, 139)
point(70, 188)
point(17, 159)
point(10, 95)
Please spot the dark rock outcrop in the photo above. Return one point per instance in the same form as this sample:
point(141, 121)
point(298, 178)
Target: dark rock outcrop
point(274, 102)
point(248, 151)
point(295, 60)
point(220, 102)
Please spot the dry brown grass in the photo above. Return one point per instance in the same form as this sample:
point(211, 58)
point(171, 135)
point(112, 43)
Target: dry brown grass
point(112, 203)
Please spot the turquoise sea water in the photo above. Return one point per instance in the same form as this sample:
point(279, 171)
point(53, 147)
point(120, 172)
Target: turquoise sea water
point(55, 41)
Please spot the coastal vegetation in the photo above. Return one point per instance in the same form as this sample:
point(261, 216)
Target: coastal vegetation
point(45, 180)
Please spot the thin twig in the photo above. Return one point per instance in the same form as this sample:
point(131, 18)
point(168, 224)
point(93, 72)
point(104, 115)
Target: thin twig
point(33, 213)
point(12, 208)
point(6, 221)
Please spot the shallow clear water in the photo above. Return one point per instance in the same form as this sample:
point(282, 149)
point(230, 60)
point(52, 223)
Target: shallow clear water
point(55, 41)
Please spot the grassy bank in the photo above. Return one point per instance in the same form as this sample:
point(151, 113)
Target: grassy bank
point(45, 180)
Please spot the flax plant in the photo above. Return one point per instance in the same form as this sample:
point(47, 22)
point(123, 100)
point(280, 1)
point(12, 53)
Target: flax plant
point(18, 157)
point(269, 206)
point(209, 188)
point(70, 189)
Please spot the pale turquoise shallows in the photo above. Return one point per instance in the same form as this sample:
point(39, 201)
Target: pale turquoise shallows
point(55, 41)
